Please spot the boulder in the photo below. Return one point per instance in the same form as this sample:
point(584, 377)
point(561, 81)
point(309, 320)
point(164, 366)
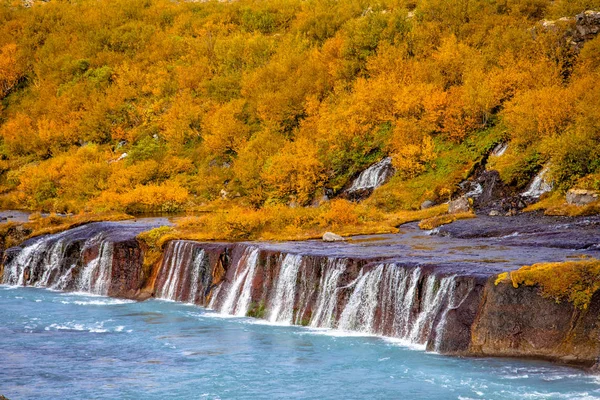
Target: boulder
point(427, 204)
point(587, 26)
point(581, 197)
point(459, 205)
point(332, 237)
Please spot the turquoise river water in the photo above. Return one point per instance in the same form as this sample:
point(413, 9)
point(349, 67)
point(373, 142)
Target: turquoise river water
point(74, 346)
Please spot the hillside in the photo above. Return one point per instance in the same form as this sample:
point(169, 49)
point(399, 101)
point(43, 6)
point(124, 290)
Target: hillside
point(160, 106)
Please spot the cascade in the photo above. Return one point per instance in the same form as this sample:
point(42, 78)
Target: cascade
point(359, 313)
point(455, 300)
point(433, 299)
point(239, 293)
point(538, 186)
point(47, 262)
point(372, 177)
point(327, 294)
point(95, 276)
point(500, 149)
point(181, 272)
point(79, 259)
point(282, 307)
point(386, 301)
point(197, 269)
point(14, 273)
point(399, 299)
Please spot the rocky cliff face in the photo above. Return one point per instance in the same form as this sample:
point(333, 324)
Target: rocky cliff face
point(587, 26)
point(436, 291)
point(100, 258)
point(519, 322)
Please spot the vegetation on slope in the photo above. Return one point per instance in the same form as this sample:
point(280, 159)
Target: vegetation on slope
point(573, 281)
point(153, 105)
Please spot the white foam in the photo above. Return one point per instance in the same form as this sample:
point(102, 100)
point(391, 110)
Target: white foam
point(97, 327)
point(405, 343)
point(333, 333)
point(83, 294)
point(108, 302)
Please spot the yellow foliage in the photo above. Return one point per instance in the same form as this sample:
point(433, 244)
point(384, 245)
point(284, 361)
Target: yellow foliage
point(226, 133)
point(411, 148)
point(573, 281)
point(539, 113)
point(168, 197)
point(176, 104)
point(339, 213)
point(434, 222)
point(502, 278)
point(295, 172)
point(10, 70)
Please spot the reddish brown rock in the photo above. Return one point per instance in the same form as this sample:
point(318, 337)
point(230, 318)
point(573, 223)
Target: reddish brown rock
point(519, 322)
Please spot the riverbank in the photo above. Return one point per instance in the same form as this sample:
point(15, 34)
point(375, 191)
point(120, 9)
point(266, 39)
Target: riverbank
point(436, 289)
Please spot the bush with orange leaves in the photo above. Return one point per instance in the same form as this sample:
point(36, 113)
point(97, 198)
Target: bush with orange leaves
point(168, 198)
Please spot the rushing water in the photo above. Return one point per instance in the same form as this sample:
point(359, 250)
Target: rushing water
point(538, 186)
point(374, 176)
point(74, 346)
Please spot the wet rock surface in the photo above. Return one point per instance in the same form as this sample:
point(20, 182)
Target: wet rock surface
point(433, 289)
point(530, 229)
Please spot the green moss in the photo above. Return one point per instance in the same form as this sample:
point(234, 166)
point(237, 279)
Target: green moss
point(257, 310)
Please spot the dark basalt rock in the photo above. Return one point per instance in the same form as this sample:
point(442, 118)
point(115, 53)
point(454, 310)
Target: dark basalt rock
point(479, 317)
point(460, 318)
point(127, 274)
point(519, 322)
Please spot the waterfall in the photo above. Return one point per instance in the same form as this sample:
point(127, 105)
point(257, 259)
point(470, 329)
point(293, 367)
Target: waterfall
point(359, 313)
point(500, 149)
point(323, 315)
point(399, 299)
point(181, 272)
point(239, 294)
point(434, 295)
point(538, 186)
point(95, 276)
point(455, 300)
point(407, 302)
point(57, 262)
point(14, 273)
point(386, 301)
point(282, 308)
point(196, 276)
point(373, 177)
